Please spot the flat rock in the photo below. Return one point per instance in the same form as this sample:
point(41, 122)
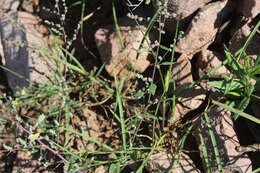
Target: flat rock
point(208, 60)
point(30, 5)
point(227, 141)
point(163, 162)
point(26, 161)
point(240, 36)
point(9, 4)
point(204, 27)
point(182, 70)
point(123, 61)
point(184, 8)
point(187, 99)
point(249, 8)
point(24, 49)
point(181, 10)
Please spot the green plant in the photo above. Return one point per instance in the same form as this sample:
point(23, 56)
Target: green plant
point(241, 82)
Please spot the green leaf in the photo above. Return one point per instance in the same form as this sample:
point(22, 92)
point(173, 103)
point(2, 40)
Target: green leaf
point(114, 168)
point(257, 61)
point(236, 111)
point(33, 137)
point(232, 61)
point(214, 142)
point(7, 147)
point(165, 48)
point(167, 63)
point(41, 118)
point(117, 27)
point(139, 93)
point(234, 93)
point(223, 85)
point(152, 117)
point(75, 4)
point(152, 89)
point(254, 70)
point(135, 155)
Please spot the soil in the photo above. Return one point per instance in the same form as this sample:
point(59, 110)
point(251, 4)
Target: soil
point(104, 128)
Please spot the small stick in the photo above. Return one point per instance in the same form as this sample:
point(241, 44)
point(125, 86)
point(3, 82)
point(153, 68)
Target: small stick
point(56, 152)
point(249, 148)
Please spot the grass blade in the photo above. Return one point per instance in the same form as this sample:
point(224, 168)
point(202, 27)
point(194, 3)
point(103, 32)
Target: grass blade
point(242, 114)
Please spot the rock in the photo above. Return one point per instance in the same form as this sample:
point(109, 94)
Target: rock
point(100, 169)
point(26, 161)
point(177, 11)
point(163, 162)
point(187, 99)
point(93, 128)
point(25, 49)
point(204, 27)
point(9, 4)
point(227, 141)
point(182, 8)
point(240, 36)
point(122, 62)
point(208, 60)
point(182, 70)
point(90, 127)
point(254, 127)
point(249, 8)
point(30, 5)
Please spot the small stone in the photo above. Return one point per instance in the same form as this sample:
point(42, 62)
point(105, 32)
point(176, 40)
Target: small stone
point(30, 5)
point(100, 169)
point(92, 128)
point(120, 61)
point(187, 101)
